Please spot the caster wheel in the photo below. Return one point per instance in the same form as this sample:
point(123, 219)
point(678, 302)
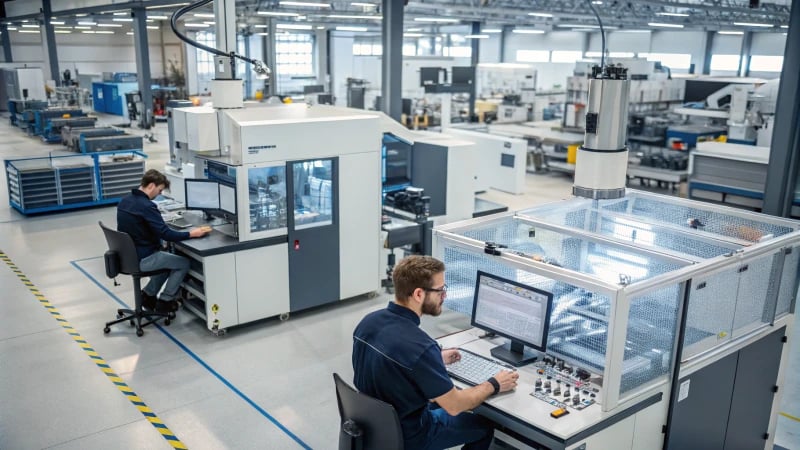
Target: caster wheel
point(219, 333)
point(373, 294)
point(140, 332)
point(106, 330)
point(167, 321)
point(284, 317)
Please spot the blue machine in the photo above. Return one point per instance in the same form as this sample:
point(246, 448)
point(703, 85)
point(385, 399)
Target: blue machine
point(109, 97)
point(691, 134)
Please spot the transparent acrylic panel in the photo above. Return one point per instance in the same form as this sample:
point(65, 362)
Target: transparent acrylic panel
point(788, 288)
point(635, 231)
point(672, 212)
point(649, 342)
point(266, 188)
point(709, 320)
point(313, 193)
point(607, 262)
point(755, 285)
point(579, 319)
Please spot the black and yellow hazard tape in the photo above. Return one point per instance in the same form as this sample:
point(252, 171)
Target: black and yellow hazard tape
point(97, 359)
point(789, 416)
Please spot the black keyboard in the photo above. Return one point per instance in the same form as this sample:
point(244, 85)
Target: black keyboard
point(473, 368)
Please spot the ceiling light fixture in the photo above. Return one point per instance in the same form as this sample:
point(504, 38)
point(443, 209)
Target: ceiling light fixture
point(476, 36)
point(62, 31)
point(123, 13)
point(527, 31)
point(535, 14)
point(365, 5)
point(750, 24)
point(597, 2)
point(291, 26)
point(78, 27)
point(103, 32)
point(277, 13)
point(25, 25)
point(665, 25)
point(204, 15)
point(166, 6)
point(109, 25)
point(784, 26)
point(196, 25)
point(153, 27)
point(260, 26)
point(413, 35)
point(157, 17)
point(435, 19)
point(56, 22)
point(730, 32)
point(671, 14)
point(87, 23)
point(28, 31)
point(308, 4)
point(355, 29)
point(122, 19)
point(348, 16)
point(492, 30)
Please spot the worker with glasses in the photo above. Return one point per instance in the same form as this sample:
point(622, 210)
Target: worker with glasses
point(397, 362)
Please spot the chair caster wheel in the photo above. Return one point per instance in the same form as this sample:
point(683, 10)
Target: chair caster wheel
point(106, 330)
point(167, 321)
point(140, 332)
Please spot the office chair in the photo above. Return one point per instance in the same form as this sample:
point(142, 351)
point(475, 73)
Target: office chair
point(367, 423)
point(121, 258)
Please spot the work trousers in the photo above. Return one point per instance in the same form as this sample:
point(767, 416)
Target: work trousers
point(178, 268)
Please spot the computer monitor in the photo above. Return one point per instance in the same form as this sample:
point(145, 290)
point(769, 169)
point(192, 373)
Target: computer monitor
point(463, 75)
point(313, 89)
point(227, 199)
point(514, 311)
point(202, 194)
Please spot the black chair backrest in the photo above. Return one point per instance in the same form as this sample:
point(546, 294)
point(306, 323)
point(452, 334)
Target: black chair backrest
point(122, 244)
point(377, 419)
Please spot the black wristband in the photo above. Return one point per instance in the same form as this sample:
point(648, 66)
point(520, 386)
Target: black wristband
point(495, 384)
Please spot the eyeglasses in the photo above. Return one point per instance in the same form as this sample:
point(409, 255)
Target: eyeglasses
point(442, 290)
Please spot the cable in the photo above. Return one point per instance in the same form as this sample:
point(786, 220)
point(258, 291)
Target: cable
point(602, 35)
point(174, 24)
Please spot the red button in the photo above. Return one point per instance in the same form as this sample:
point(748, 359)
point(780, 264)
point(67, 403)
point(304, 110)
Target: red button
point(296, 244)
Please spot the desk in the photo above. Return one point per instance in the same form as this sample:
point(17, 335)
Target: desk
point(636, 425)
point(232, 282)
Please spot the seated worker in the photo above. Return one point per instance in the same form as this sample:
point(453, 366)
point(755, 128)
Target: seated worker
point(395, 361)
point(138, 216)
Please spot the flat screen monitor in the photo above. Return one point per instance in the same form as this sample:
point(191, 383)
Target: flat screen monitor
point(313, 89)
point(202, 194)
point(514, 311)
point(227, 198)
point(463, 75)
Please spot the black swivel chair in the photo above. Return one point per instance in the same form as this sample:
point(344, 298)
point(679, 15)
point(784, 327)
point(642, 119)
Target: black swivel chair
point(121, 258)
point(367, 423)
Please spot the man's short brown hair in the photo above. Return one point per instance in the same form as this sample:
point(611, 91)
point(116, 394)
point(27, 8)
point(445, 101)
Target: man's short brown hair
point(414, 272)
point(154, 176)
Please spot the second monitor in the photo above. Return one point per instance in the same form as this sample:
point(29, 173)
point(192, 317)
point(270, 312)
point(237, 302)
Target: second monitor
point(211, 197)
point(515, 311)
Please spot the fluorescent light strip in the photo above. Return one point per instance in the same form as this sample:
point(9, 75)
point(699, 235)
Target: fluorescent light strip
point(365, 5)
point(750, 24)
point(476, 36)
point(210, 23)
point(109, 25)
point(204, 15)
point(535, 14)
point(290, 26)
point(579, 26)
point(25, 25)
point(103, 32)
point(523, 31)
point(672, 14)
point(88, 32)
point(157, 17)
point(28, 31)
point(63, 28)
point(309, 4)
point(412, 30)
point(262, 34)
point(492, 30)
point(784, 26)
point(260, 26)
point(129, 33)
point(12, 29)
point(56, 22)
point(347, 16)
point(153, 27)
point(277, 13)
point(122, 19)
point(597, 2)
point(413, 35)
point(355, 29)
point(121, 13)
point(166, 6)
point(730, 32)
point(62, 31)
point(89, 23)
point(196, 25)
point(435, 19)
point(665, 25)
point(78, 27)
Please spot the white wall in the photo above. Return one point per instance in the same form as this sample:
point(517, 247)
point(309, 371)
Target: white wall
point(768, 44)
point(342, 61)
point(97, 53)
point(693, 42)
point(547, 74)
point(490, 49)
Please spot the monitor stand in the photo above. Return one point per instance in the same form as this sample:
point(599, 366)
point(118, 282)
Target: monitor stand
point(514, 353)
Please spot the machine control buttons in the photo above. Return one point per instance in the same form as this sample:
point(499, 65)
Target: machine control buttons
point(567, 393)
point(560, 412)
point(576, 399)
point(557, 391)
point(547, 384)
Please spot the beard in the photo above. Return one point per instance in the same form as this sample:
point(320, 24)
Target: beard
point(432, 306)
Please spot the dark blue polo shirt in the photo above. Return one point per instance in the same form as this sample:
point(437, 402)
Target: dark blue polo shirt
point(138, 216)
point(395, 361)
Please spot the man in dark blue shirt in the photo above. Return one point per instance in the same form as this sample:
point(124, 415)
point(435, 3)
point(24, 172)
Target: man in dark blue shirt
point(138, 216)
point(395, 361)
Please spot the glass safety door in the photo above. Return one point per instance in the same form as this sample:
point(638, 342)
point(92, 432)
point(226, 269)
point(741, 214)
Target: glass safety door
point(313, 232)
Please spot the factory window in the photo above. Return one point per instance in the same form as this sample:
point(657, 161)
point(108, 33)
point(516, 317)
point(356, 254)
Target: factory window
point(763, 63)
point(410, 49)
point(294, 54)
point(205, 60)
point(367, 47)
point(533, 56)
point(560, 56)
point(672, 60)
point(724, 62)
point(458, 51)
point(593, 54)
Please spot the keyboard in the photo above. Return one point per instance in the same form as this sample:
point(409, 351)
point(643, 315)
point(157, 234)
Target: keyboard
point(180, 223)
point(474, 369)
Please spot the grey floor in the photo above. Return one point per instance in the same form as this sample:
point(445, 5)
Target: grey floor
point(266, 385)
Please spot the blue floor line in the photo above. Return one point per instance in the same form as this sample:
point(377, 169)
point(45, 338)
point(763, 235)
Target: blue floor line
point(199, 360)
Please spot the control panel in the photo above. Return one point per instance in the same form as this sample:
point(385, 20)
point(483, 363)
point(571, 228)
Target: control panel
point(565, 386)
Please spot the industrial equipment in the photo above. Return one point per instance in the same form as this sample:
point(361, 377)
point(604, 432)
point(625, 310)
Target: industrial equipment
point(24, 83)
point(602, 160)
point(656, 300)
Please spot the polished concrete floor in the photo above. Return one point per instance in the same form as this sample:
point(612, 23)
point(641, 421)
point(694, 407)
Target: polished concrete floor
point(265, 385)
